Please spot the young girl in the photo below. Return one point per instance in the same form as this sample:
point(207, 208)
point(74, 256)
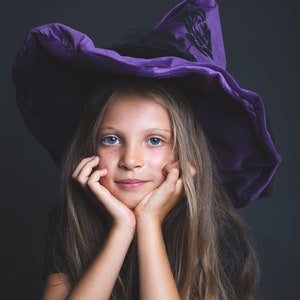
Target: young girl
point(144, 211)
point(153, 172)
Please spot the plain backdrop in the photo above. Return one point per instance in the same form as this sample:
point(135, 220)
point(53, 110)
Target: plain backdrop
point(262, 45)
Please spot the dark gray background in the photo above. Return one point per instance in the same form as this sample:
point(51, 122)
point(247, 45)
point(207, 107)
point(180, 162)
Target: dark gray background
point(262, 46)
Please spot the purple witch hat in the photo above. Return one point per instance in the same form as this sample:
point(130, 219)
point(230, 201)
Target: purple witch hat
point(58, 66)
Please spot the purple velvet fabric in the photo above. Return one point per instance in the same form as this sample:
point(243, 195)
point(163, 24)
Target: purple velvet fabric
point(57, 66)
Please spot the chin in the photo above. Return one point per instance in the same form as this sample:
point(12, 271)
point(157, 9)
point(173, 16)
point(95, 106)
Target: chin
point(132, 204)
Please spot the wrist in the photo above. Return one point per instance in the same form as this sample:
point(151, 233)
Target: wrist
point(121, 234)
point(124, 221)
point(148, 223)
point(124, 228)
point(145, 217)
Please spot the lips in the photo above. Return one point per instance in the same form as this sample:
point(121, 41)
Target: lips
point(131, 183)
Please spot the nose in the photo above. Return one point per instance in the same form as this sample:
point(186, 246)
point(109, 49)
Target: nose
point(132, 157)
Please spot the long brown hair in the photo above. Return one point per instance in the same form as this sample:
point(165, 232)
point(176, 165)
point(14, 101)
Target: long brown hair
point(208, 244)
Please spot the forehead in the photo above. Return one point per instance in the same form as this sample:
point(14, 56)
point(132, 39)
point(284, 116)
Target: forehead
point(133, 108)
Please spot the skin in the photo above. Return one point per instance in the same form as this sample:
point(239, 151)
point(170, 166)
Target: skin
point(135, 147)
point(135, 177)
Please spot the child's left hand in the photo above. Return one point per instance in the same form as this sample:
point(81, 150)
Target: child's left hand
point(157, 204)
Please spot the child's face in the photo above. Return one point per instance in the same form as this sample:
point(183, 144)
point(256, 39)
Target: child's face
point(135, 146)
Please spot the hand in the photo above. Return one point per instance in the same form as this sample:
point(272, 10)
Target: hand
point(89, 178)
point(157, 204)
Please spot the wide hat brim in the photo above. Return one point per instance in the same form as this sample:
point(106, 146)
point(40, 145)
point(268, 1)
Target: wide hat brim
point(57, 67)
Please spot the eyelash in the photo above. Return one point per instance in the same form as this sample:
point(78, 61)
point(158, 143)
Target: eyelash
point(106, 139)
point(155, 138)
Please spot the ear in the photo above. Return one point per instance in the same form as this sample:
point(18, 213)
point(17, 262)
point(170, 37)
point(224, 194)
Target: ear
point(192, 170)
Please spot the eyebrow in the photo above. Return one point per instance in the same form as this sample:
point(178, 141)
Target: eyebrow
point(148, 130)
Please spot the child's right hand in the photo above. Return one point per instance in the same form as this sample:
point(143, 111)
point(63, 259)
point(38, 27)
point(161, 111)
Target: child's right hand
point(89, 178)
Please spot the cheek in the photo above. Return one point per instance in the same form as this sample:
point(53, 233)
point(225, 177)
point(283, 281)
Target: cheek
point(106, 160)
point(105, 164)
point(159, 162)
point(105, 182)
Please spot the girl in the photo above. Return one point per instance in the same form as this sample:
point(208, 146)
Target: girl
point(166, 149)
point(147, 229)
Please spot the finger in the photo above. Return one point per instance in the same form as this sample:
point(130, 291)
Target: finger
point(178, 187)
point(169, 185)
point(176, 164)
point(96, 188)
point(82, 163)
point(100, 191)
point(94, 180)
point(170, 166)
point(174, 180)
point(120, 213)
point(84, 171)
point(173, 176)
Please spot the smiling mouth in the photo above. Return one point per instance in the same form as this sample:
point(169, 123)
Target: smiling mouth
point(131, 183)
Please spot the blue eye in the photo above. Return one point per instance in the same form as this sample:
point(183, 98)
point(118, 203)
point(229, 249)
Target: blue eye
point(155, 141)
point(111, 140)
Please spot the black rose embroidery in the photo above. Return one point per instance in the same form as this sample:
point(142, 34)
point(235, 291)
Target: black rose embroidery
point(198, 33)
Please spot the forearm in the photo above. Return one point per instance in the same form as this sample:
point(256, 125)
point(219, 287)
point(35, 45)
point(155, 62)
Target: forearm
point(156, 278)
point(99, 279)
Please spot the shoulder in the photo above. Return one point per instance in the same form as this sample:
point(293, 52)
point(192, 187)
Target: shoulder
point(57, 287)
